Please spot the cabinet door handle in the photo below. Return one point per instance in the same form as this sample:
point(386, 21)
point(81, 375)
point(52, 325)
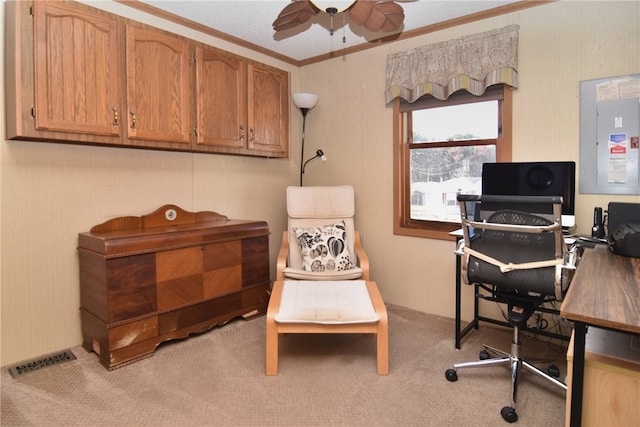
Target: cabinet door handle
point(241, 134)
point(253, 136)
point(115, 116)
point(133, 119)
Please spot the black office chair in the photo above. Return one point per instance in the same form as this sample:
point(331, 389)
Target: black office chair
point(513, 247)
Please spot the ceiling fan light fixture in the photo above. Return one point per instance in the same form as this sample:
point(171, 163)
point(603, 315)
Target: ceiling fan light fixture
point(374, 15)
point(332, 6)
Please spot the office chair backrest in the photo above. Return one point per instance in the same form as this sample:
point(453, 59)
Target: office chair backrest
point(514, 242)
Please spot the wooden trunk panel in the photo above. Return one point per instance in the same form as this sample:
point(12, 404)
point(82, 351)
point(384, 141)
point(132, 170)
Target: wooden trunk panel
point(131, 290)
point(180, 291)
point(255, 253)
point(95, 335)
point(197, 313)
point(222, 268)
point(222, 255)
point(222, 281)
point(93, 279)
point(257, 298)
point(178, 263)
point(133, 332)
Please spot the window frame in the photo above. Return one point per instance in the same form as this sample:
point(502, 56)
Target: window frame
point(403, 224)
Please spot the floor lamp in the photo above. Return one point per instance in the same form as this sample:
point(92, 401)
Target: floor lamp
point(305, 102)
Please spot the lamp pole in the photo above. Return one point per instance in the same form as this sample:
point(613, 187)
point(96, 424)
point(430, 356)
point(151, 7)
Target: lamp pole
point(304, 122)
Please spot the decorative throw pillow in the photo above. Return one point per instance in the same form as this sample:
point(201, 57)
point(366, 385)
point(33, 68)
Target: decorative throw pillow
point(324, 248)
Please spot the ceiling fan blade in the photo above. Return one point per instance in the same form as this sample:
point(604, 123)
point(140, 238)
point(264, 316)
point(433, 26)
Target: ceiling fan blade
point(380, 15)
point(295, 13)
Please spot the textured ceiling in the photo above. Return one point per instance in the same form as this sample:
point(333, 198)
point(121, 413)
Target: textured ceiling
point(251, 21)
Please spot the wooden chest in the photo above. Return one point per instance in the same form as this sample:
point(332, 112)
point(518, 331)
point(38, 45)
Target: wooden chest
point(166, 275)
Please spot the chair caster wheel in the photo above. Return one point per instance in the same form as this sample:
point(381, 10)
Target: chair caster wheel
point(509, 414)
point(553, 371)
point(451, 375)
point(484, 355)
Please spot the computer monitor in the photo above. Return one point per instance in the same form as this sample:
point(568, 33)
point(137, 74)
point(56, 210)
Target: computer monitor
point(534, 179)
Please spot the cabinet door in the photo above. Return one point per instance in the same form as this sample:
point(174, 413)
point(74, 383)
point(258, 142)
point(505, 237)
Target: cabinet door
point(158, 72)
point(76, 70)
point(220, 99)
point(268, 110)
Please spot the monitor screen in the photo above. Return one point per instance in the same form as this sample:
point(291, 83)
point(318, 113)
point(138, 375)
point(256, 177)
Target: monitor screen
point(534, 179)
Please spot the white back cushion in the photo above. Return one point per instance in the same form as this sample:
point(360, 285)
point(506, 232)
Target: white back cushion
point(319, 205)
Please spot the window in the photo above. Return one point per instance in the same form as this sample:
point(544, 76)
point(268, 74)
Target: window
point(439, 149)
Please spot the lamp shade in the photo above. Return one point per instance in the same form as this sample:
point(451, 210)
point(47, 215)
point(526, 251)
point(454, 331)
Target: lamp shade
point(305, 100)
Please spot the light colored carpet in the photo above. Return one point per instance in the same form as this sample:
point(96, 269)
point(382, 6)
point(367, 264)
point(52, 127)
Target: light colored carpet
point(217, 379)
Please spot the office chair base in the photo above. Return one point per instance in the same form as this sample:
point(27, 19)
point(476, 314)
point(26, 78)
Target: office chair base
point(509, 414)
point(515, 362)
point(552, 369)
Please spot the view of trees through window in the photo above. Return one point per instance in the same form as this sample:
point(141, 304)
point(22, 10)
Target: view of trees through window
point(450, 144)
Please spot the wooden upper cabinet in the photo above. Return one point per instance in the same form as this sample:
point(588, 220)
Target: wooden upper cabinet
point(74, 73)
point(220, 99)
point(242, 106)
point(76, 64)
point(62, 75)
point(158, 89)
point(268, 110)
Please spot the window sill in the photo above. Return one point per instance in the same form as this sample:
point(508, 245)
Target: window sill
point(440, 234)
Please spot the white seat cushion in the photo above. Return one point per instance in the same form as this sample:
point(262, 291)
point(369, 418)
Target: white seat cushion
point(293, 273)
point(326, 302)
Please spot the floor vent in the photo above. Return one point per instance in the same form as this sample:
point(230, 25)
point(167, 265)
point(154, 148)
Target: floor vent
point(41, 363)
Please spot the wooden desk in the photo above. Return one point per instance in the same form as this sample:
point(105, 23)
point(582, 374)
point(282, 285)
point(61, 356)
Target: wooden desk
point(605, 293)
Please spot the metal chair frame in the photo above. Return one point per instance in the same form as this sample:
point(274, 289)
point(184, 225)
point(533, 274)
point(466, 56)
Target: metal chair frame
point(546, 213)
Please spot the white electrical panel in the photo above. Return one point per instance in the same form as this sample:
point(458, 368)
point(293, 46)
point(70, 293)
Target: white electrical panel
point(609, 135)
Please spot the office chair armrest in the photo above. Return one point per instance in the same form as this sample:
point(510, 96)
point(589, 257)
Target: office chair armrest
point(283, 256)
point(363, 259)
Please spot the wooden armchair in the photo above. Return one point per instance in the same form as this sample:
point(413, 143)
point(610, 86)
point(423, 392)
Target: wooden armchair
point(322, 283)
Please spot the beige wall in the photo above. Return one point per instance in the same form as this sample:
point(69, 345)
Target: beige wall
point(560, 44)
point(50, 192)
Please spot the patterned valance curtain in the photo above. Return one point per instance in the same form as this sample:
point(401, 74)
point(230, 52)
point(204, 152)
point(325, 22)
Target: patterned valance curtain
point(472, 63)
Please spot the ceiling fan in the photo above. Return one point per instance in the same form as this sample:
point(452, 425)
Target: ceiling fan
point(374, 15)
